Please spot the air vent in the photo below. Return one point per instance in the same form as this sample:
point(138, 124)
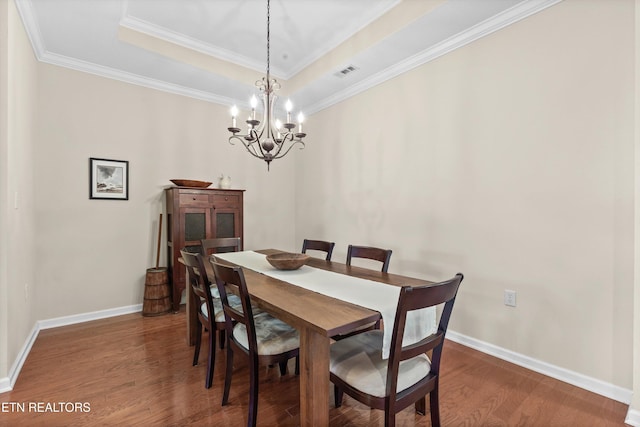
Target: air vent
point(346, 71)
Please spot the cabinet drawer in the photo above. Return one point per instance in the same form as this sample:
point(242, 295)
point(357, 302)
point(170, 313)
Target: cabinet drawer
point(194, 200)
point(230, 200)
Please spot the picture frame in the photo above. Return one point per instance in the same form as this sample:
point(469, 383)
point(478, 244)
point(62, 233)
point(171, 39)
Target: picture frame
point(108, 179)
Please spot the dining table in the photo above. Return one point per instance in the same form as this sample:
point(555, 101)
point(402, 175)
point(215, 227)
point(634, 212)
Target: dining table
point(316, 316)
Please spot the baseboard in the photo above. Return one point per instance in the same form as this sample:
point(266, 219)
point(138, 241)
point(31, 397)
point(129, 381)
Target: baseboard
point(579, 380)
point(6, 384)
point(87, 317)
point(633, 418)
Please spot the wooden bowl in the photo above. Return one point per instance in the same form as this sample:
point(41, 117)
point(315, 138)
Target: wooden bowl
point(190, 183)
point(287, 261)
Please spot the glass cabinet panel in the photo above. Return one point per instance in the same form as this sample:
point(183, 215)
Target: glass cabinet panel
point(195, 226)
point(225, 224)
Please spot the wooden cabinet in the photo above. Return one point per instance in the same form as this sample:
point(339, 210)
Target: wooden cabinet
point(194, 214)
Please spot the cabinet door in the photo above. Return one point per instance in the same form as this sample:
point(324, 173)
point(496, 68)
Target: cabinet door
point(226, 222)
point(196, 226)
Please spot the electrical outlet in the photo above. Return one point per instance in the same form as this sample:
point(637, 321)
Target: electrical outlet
point(509, 298)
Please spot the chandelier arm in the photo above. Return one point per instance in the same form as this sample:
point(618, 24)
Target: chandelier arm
point(257, 140)
point(249, 147)
point(293, 143)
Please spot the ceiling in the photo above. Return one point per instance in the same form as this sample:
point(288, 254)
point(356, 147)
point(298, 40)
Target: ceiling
point(215, 50)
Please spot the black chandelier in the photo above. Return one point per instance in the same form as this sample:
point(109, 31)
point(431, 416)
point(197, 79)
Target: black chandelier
point(268, 139)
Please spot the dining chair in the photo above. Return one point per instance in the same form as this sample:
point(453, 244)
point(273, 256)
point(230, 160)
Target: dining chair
point(221, 244)
point(408, 375)
point(369, 252)
point(318, 245)
point(262, 338)
point(205, 303)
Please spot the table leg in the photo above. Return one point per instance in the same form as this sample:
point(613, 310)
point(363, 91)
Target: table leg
point(191, 314)
point(314, 379)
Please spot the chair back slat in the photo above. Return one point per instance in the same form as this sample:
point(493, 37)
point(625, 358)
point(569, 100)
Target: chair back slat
point(227, 278)
point(220, 245)
point(318, 245)
point(369, 252)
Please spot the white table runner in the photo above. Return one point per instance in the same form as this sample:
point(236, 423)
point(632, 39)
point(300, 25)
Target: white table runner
point(365, 293)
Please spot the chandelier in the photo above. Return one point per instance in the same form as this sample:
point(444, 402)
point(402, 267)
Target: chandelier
point(267, 139)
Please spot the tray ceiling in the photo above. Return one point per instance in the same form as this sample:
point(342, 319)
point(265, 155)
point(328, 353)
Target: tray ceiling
point(322, 51)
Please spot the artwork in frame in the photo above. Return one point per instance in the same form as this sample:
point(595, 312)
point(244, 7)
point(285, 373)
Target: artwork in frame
point(109, 179)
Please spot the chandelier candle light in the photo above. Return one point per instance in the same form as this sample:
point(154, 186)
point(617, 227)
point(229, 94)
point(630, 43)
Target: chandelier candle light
point(264, 136)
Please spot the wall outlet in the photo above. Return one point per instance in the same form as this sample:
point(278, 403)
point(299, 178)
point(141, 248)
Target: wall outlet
point(509, 298)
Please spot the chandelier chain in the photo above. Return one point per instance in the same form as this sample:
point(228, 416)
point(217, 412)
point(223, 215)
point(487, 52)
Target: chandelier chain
point(268, 38)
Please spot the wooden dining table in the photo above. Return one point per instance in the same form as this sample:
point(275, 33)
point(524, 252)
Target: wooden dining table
point(317, 317)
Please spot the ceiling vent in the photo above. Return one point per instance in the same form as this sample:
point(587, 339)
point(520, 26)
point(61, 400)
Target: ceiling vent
point(346, 71)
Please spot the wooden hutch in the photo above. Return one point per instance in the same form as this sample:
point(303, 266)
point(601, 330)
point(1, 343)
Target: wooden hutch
point(194, 214)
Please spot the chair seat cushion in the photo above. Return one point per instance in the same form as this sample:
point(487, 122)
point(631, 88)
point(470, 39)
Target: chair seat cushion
point(357, 360)
point(272, 335)
point(234, 301)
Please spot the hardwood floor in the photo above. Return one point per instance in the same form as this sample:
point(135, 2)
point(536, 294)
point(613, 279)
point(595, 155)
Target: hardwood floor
point(135, 370)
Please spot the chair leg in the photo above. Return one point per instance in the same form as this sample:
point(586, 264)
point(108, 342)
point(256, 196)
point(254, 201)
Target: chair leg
point(221, 337)
point(196, 352)
point(389, 419)
point(337, 396)
point(211, 360)
point(421, 406)
point(297, 365)
point(253, 392)
point(434, 407)
point(283, 368)
point(227, 376)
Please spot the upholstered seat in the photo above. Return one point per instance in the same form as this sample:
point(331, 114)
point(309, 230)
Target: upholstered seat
point(273, 336)
point(217, 308)
point(359, 362)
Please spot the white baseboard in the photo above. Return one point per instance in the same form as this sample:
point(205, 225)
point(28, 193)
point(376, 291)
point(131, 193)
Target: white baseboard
point(633, 418)
point(579, 380)
point(6, 384)
point(87, 317)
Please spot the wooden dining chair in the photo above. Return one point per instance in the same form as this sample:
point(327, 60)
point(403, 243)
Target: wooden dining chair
point(369, 252)
point(205, 304)
point(318, 245)
point(220, 245)
point(407, 376)
point(262, 338)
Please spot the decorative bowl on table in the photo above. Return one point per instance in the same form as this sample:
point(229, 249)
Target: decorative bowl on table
point(190, 183)
point(287, 261)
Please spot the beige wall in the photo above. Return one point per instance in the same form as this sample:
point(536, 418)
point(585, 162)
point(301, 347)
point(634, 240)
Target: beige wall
point(510, 160)
point(103, 248)
point(635, 403)
point(18, 83)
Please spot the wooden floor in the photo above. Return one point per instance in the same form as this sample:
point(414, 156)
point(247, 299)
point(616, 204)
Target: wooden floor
point(134, 370)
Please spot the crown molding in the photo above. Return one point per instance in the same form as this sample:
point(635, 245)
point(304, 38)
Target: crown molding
point(495, 23)
point(26, 12)
point(126, 77)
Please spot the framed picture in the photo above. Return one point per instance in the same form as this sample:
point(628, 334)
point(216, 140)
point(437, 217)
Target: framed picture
point(108, 179)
